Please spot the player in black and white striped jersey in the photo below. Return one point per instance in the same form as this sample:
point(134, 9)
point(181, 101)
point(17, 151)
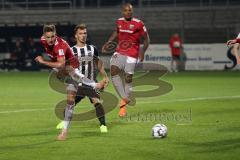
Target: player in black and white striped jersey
point(88, 56)
point(89, 65)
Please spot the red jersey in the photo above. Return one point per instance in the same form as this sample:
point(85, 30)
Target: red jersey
point(60, 49)
point(175, 45)
point(129, 34)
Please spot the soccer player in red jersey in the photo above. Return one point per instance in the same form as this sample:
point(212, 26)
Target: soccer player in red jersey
point(64, 62)
point(129, 32)
point(176, 47)
point(236, 44)
point(56, 48)
point(62, 57)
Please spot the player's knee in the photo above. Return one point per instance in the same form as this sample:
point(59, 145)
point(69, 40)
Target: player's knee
point(114, 70)
point(128, 78)
point(71, 99)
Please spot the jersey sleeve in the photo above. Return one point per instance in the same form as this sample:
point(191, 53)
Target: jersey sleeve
point(95, 50)
point(72, 57)
point(62, 50)
point(142, 29)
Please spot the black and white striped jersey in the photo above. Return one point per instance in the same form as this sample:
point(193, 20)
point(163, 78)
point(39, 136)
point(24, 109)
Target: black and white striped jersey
point(87, 57)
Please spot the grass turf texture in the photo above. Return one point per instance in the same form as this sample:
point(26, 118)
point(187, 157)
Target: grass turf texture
point(203, 128)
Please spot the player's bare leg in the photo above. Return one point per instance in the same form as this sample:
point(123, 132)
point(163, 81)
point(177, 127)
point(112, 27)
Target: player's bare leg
point(67, 115)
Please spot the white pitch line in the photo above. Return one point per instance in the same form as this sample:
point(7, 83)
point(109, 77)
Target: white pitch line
point(163, 101)
point(184, 124)
point(190, 99)
point(26, 104)
point(25, 110)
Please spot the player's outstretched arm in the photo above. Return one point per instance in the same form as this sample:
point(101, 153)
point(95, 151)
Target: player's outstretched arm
point(58, 64)
point(146, 43)
point(102, 72)
point(113, 36)
point(233, 41)
point(111, 39)
point(80, 78)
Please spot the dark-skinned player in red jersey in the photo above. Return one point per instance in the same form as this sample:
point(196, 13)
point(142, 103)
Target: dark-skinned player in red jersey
point(129, 32)
point(63, 61)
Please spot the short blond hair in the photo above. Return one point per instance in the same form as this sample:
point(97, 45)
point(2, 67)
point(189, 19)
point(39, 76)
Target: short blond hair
point(81, 26)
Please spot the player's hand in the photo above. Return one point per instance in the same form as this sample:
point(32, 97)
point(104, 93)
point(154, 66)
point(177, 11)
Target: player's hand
point(231, 42)
point(39, 59)
point(106, 80)
point(141, 55)
point(109, 47)
point(104, 47)
point(100, 85)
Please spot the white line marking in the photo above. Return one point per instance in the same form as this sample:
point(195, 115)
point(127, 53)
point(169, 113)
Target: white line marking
point(25, 110)
point(26, 104)
point(184, 124)
point(139, 102)
point(189, 99)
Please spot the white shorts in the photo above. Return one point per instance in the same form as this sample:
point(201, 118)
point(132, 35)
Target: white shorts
point(123, 62)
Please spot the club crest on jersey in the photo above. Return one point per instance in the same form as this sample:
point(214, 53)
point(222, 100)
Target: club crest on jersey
point(60, 52)
point(131, 26)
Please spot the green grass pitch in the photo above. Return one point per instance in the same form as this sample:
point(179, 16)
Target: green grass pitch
point(201, 113)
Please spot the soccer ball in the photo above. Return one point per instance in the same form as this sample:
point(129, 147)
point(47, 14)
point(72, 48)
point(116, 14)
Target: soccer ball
point(159, 131)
